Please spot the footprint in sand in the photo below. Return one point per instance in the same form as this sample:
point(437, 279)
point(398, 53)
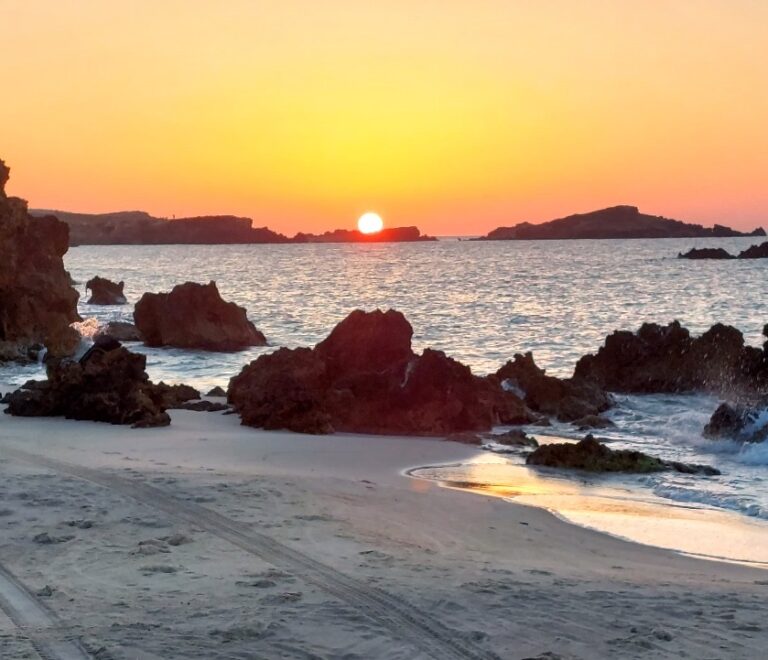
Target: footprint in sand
point(46, 539)
point(281, 599)
point(151, 547)
point(262, 583)
point(158, 569)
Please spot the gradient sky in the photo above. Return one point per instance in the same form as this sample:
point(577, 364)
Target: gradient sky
point(457, 116)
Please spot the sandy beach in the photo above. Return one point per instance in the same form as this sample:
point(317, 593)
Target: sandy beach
point(210, 540)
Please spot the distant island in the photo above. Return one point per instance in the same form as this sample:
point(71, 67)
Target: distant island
point(140, 228)
point(613, 222)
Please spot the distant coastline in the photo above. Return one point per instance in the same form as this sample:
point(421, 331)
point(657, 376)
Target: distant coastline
point(613, 222)
point(141, 228)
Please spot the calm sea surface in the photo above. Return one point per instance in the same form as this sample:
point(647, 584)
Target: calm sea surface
point(480, 302)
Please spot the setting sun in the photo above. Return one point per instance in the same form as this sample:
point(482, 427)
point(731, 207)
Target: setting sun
point(370, 223)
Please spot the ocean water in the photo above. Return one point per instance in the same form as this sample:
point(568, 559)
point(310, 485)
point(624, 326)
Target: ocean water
point(480, 302)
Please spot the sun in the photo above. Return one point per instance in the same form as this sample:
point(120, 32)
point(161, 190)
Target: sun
point(370, 223)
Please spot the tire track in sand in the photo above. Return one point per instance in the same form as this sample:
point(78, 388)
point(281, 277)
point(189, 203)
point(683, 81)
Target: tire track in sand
point(403, 619)
point(40, 625)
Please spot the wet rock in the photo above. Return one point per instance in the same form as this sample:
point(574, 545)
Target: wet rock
point(737, 422)
point(37, 302)
point(195, 316)
point(176, 396)
point(666, 359)
point(121, 331)
point(692, 468)
point(105, 292)
point(217, 392)
point(365, 378)
point(567, 399)
point(706, 253)
point(591, 455)
point(593, 422)
point(108, 384)
point(513, 438)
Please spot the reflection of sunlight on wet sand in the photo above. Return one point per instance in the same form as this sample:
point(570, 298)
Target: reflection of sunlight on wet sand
point(636, 516)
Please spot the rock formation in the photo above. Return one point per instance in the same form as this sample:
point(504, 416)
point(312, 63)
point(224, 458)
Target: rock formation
point(513, 438)
point(364, 377)
point(37, 303)
point(658, 359)
point(614, 222)
point(386, 235)
point(705, 253)
point(755, 252)
point(140, 228)
point(195, 316)
point(738, 422)
point(120, 330)
point(568, 400)
point(593, 456)
point(105, 292)
point(108, 384)
point(175, 396)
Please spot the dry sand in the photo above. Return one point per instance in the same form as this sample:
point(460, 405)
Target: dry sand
point(209, 540)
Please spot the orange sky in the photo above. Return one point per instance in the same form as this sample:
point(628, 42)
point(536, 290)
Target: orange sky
point(454, 115)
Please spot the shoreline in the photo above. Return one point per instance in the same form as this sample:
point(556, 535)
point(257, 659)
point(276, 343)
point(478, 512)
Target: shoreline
point(464, 564)
point(623, 511)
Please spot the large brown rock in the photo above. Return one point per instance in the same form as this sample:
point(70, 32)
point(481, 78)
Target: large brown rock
point(365, 378)
point(667, 359)
point(37, 303)
point(567, 399)
point(120, 330)
point(195, 316)
point(105, 292)
point(108, 384)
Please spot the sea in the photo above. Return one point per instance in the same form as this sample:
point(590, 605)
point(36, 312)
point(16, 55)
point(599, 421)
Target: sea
point(480, 302)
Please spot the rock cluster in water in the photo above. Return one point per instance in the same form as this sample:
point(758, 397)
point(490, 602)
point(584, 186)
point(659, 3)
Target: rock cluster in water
point(364, 377)
point(105, 292)
point(667, 359)
point(108, 384)
point(591, 455)
point(753, 252)
point(737, 421)
point(37, 303)
point(569, 400)
point(195, 316)
point(615, 222)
